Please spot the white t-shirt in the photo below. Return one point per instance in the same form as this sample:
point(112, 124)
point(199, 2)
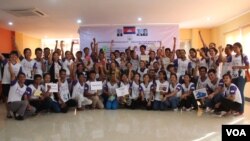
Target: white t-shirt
point(234, 90)
point(57, 68)
point(142, 72)
point(177, 88)
point(6, 73)
point(111, 88)
point(78, 89)
point(64, 91)
point(202, 84)
point(157, 94)
point(182, 65)
point(237, 61)
point(146, 89)
point(190, 87)
point(16, 92)
point(88, 89)
point(66, 65)
point(31, 88)
point(211, 87)
point(135, 90)
point(51, 94)
point(27, 67)
point(38, 66)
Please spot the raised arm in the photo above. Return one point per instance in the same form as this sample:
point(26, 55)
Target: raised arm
point(204, 44)
point(56, 45)
point(62, 49)
point(71, 49)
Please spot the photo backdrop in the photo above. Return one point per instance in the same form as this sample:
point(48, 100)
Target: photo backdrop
point(125, 36)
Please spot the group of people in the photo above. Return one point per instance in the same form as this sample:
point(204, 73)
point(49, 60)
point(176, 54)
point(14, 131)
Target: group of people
point(160, 79)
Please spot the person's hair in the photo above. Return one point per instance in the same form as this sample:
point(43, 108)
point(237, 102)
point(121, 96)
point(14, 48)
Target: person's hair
point(145, 75)
point(37, 76)
point(85, 49)
point(38, 49)
point(143, 46)
point(212, 43)
point(117, 51)
point(194, 50)
point(46, 48)
point(173, 74)
point(136, 73)
point(238, 44)
point(67, 52)
point(227, 74)
point(202, 67)
point(44, 75)
point(14, 52)
point(92, 72)
point(164, 73)
point(62, 70)
point(80, 74)
point(215, 50)
point(26, 49)
point(20, 73)
point(211, 71)
point(79, 52)
point(170, 66)
point(229, 46)
point(167, 49)
point(186, 74)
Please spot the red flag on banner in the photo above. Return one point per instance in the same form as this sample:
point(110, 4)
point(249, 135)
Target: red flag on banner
point(129, 30)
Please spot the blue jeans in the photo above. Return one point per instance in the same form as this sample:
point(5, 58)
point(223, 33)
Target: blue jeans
point(211, 102)
point(171, 102)
point(240, 83)
point(112, 105)
point(158, 105)
point(55, 106)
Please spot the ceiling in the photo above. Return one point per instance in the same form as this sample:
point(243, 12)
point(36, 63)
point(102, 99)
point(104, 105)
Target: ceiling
point(60, 21)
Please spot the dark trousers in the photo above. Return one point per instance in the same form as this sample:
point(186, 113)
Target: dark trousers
point(240, 83)
point(227, 105)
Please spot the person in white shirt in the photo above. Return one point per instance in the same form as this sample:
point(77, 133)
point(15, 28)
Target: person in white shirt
point(93, 94)
point(46, 94)
point(142, 69)
point(28, 66)
point(172, 99)
point(39, 62)
point(78, 91)
point(17, 106)
point(6, 81)
point(187, 101)
point(240, 64)
point(135, 92)
point(36, 97)
point(214, 90)
point(163, 86)
point(67, 63)
point(64, 96)
point(148, 89)
point(232, 99)
point(110, 91)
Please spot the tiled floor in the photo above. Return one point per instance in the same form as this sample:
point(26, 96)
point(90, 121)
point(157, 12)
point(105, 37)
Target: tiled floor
point(119, 125)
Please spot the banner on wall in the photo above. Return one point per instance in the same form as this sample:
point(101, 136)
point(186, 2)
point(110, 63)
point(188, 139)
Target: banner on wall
point(129, 36)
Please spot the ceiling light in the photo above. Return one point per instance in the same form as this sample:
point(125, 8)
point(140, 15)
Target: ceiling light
point(208, 18)
point(79, 21)
point(10, 23)
point(139, 19)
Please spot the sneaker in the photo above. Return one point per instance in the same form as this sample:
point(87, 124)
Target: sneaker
point(222, 113)
point(189, 109)
point(19, 117)
point(176, 109)
point(237, 113)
